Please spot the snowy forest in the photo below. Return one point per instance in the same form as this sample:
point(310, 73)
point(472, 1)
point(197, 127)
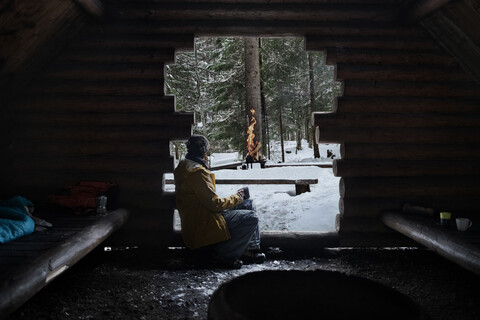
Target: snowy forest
point(226, 81)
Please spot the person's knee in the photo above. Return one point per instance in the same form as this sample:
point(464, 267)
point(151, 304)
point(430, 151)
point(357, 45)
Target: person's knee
point(241, 217)
point(252, 218)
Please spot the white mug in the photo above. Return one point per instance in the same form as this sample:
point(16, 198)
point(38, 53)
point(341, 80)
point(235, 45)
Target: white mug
point(463, 224)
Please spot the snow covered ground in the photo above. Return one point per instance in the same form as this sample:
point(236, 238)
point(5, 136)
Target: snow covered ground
point(277, 206)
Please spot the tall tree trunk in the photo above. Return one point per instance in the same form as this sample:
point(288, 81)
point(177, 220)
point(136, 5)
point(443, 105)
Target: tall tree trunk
point(281, 136)
point(199, 94)
point(265, 132)
point(299, 140)
point(316, 151)
point(252, 85)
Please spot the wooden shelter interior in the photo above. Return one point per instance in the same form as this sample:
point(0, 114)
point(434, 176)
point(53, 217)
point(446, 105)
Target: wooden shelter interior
point(82, 98)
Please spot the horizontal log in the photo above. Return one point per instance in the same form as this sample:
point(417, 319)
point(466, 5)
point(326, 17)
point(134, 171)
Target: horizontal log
point(92, 88)
point(145, 184)
point(299, 241)
point(134, 164)
point(97, 42)
point(151, 202)
point(117, 148)
point(370, 207)
point(235, 28)
point(394, 120)
point(452, 152)
point(367, 207)
point(260, 181)
point(398, 135)
point(375, 240)
point(298, 164)
point(169, 199)
point(448, 243)
point(298, 2)
point(400, 73)
point(420, 9)
point(103, 71)
point(110, 104)
point(406, 104)
point(141, 189)
point(405, 168)
point(410, 89)
point(314, 42)
point(257, 11)
point(103, 134)
point(405, 187)
point(150, 220)
point(387, 57)
point(359, 224)
point(72, 120)
point(126, 55)
point(271, 27)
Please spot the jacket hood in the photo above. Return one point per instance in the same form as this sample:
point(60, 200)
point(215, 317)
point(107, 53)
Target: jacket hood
point(186, 167)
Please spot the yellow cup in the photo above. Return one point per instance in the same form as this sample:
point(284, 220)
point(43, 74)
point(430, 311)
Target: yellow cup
point(445, 215)
point(445, 218)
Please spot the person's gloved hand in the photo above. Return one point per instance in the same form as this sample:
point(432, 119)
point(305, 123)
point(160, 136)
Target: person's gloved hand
point(241, 193)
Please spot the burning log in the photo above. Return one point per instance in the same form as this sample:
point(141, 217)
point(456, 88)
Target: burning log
point(253, 146)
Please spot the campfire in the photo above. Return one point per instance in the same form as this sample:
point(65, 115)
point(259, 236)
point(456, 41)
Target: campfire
point(253, 146)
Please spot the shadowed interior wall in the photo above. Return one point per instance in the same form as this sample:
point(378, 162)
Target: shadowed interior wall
point(408, 118)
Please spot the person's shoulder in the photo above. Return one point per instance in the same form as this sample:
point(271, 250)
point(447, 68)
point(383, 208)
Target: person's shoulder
point(192, 166)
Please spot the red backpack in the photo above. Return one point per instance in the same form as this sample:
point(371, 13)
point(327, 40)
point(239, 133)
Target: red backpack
point(81, 197)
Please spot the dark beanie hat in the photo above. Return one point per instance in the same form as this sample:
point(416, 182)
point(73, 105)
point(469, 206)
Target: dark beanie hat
point(197, 145)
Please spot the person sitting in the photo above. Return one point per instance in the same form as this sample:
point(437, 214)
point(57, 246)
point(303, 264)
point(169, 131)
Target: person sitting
point(229, 225)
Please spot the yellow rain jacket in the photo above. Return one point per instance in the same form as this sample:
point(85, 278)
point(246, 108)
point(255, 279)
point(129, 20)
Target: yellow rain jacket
point(199, 206)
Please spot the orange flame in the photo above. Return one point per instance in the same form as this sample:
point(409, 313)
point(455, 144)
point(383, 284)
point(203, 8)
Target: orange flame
point(252, 145)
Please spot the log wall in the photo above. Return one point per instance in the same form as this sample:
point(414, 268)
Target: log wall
point(98, 112)
point(409, 127)
point(408, 118)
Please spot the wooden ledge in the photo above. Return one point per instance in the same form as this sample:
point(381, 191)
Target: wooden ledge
point(257, 181)
point(301, 185)
point(462, 248)
point(29, 263)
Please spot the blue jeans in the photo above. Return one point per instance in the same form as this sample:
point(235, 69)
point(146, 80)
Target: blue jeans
point(242, 222)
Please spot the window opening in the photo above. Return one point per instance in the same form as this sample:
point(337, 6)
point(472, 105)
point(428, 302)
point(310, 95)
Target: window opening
point(210, 81)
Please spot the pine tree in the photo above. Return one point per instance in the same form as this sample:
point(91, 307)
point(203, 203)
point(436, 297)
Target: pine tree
point(229, 92)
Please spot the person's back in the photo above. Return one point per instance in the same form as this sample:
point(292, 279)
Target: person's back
point(228, 225)
point(199, 207)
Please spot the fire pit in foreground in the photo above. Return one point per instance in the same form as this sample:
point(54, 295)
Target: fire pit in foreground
point(309, 294)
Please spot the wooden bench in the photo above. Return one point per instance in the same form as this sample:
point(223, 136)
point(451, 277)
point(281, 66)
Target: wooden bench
point(462, 248)
point(29, 263)
point(301, 185)
point(235, 165)
point(279, 165)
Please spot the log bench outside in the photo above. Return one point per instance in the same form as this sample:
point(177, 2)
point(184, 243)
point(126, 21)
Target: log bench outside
point(461, 247)
point(235, 165)
point(29, 263)
point(301, 185)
